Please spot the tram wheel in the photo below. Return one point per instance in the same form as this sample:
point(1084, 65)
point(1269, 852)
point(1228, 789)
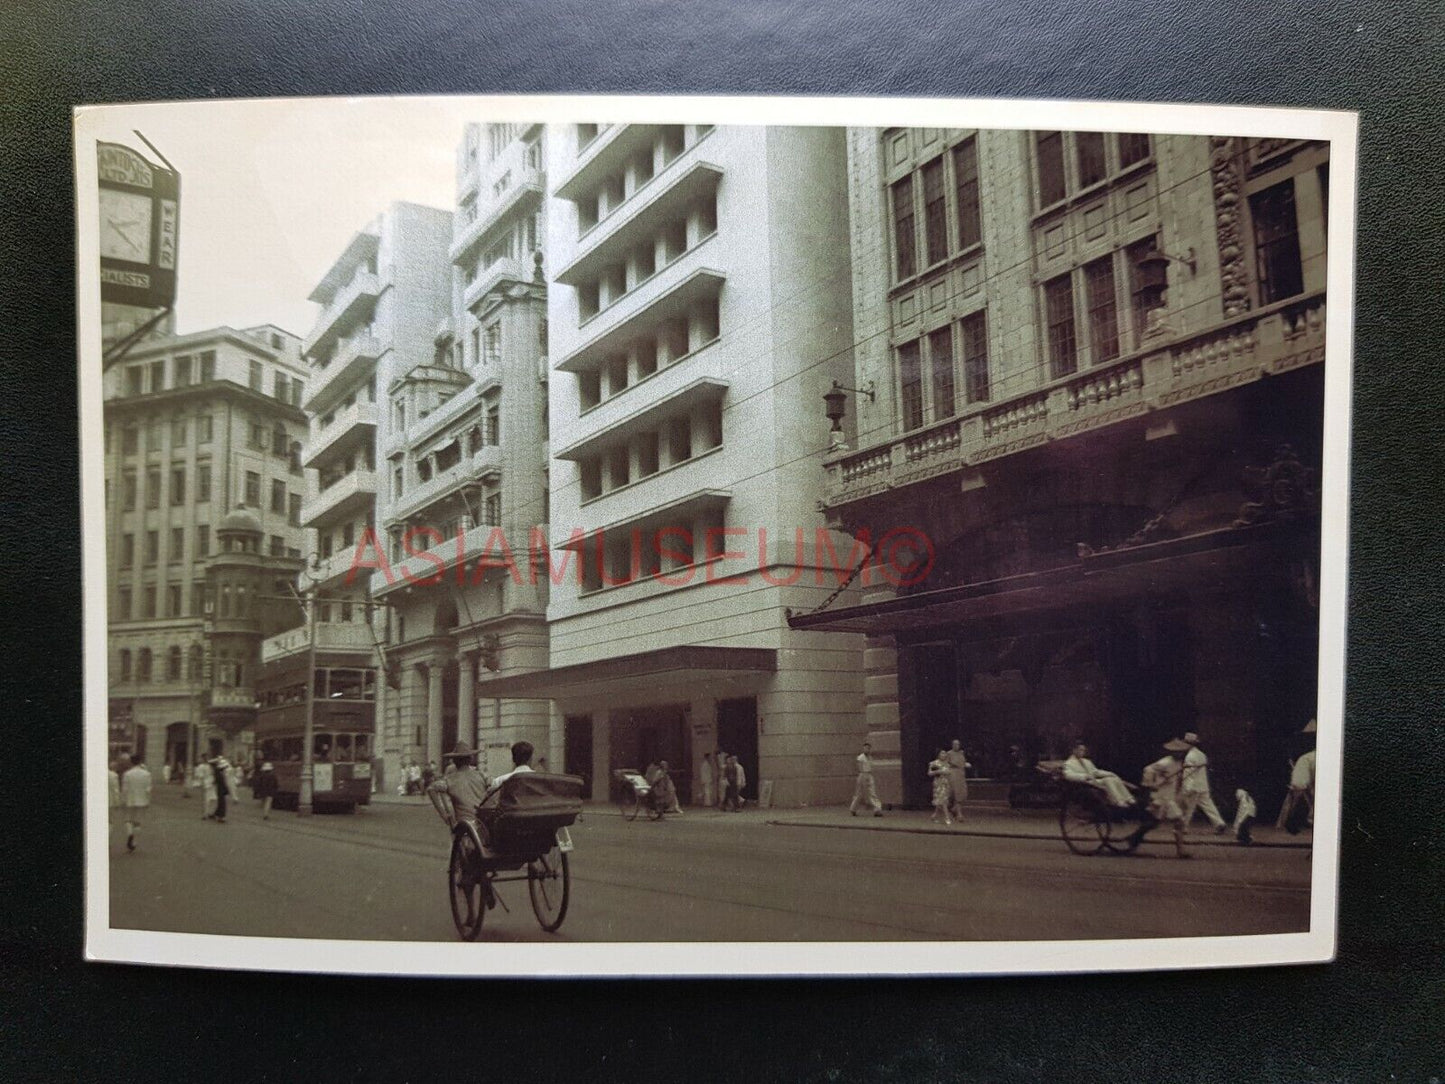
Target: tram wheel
point(549, 882)
point(464, 883)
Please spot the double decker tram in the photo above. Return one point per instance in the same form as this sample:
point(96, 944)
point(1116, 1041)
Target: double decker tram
point(343, 735)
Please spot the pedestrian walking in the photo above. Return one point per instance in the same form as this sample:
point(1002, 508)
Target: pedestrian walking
point(707, 776)
point(1164, 778)
point(722, 786)
point(958, 765)
point(940, 772)
point(225, 786)
point(733, 780)
point(1298, 810)
point(204, 780)
point(1244, 813)
point(263, 786)
point(135, 796)
point(865, 792)
point(114, 787)
point(1194, 789)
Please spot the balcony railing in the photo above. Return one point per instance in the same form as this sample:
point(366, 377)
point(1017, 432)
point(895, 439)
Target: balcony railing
point(356, 488)
point(350, 362)
point(1284, 336)
point(357, 415)
point(362, 290)
point(469, 398)
point(481, 547)
point(507, 269)
point(527, 188)
point(482, 464)
point(232, 698)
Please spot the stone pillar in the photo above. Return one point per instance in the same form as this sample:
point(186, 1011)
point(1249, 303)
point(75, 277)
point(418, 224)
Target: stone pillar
point(703, 718)
point(601, 756)
point(466, 699)
point(434, 712)
point(406, 710)
point(556, 738)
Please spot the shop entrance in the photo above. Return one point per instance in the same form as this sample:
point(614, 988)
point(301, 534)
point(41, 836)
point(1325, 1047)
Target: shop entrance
point(650, 735)
point(577, 749)
point(737, 733)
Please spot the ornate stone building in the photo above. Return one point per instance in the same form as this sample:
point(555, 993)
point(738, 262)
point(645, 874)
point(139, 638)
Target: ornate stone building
point(1097, 367)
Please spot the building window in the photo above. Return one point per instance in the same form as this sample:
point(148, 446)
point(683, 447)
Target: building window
point(258, 437)
point(1049, 147)
point(278, 546)
point(148, 603)
point(135, 380)
point(143, 665)
point(903, 229)
point(173, 664)
point(177, 551)
point(975, 358)
point(128, 491)
point(1132, 255)
point(208, 365)
point(153, 547)
point(255, 376)
point(494, 424)
point(203, 482)
point(280, 442)
point(1133, 147)
point(253, 489)
point(911, 382)
point(193, 663)
point(178, 433)
point(173, 609)
point(203, 429)
point(181, 367)
point(1089, 149)
point(940, 360)
point(158, 376)
point(178, 485)
point(153, 487)
point(492, 344)
point(127, 550)
point(278, 497)
point(1103, 309)
point(493, 510)
point(293, 509)
point(1059, 312)
point(1276, 243)
point(203, 540)
point(129, 440)
point(965, 179)
point(281, 387)
point(125, 673)
point(935, 212)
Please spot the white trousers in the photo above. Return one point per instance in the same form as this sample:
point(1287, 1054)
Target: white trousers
point(1201, 800)
point(865, 793)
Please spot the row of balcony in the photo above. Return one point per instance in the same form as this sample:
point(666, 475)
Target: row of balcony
point(479, 542)
point(1240, 351)
point(423, 429)
point(507, 269)
point(482, 465)
point(350, 492)
point(350, 364)
point(524, 196)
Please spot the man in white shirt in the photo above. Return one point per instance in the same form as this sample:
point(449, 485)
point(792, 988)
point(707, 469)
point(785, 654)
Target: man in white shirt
point(865, 791)
point(707, 776)
point(1080, 769)
point(521, 761)
point(1194, 789)
point(135, 796)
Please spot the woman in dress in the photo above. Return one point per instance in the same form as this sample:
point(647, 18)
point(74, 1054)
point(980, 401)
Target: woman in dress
point(938, 769)
point(264, 787)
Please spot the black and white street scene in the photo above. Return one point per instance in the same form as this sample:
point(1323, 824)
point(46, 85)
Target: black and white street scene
point(693, 532)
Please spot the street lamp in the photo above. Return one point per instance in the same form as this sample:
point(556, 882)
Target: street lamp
point(834, 405)
point(308, 771)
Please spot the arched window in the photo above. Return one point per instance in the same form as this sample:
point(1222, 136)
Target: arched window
point(173, 664)
point(125, 664)
point(143, 665)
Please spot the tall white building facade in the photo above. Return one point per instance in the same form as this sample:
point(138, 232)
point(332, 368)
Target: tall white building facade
point(700, 307)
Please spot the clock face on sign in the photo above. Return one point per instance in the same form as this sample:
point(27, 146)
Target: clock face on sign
point(125, 226)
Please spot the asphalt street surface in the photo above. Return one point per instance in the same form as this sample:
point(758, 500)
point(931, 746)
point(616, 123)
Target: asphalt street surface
point(380, 874)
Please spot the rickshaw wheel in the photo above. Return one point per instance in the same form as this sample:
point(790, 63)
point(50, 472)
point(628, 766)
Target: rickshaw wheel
point(464, 882)
point(549, 883)
point(628, 804)
point(1084, 831)
point(654, 811)
point(1124, 837)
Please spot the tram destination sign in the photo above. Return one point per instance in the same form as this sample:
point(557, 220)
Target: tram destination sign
point(139, 228)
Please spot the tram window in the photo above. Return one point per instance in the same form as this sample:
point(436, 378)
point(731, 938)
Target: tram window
point(291, 749)
point(321, 748)
point(343, 748)
point(363, 745)
point(346, 685)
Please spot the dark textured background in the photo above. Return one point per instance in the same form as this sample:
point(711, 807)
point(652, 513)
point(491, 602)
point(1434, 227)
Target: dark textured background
point(1374, 1015)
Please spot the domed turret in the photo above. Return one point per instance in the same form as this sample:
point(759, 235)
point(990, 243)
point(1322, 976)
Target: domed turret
point(241, 520)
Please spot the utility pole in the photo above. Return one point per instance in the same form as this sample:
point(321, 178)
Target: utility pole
point(308, 769)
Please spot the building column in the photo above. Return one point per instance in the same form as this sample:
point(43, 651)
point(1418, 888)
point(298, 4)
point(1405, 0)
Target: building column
point(556, 738)
point(601, 756)
point(434, 712)
point(466, 698)
point(702, 716)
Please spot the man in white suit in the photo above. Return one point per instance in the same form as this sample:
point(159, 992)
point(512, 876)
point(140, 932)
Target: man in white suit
point(1194, 789)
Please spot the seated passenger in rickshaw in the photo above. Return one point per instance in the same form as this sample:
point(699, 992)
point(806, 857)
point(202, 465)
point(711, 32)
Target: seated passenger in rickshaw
point(521, 762)
point(1080, 769)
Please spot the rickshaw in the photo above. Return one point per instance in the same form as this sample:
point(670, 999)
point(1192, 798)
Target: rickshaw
point(1090, 823)
point(520, 834)
point(635, 793)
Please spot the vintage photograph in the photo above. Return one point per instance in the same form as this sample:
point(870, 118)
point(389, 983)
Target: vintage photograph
point(910, 538)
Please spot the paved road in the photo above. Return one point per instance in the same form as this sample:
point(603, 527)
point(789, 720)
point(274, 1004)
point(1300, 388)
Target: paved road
point(381, 874)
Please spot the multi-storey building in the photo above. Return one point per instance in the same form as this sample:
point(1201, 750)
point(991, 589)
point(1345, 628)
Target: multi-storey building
point(465, 458)
point(699, 309)
point(1098, 363)
point(381, 303)
point(202, 435)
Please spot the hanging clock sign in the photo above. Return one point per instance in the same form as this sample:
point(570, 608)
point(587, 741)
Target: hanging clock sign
point(139, 224)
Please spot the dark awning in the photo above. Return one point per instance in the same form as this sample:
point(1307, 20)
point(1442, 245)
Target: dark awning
point(1211, 559)
point(692, 663)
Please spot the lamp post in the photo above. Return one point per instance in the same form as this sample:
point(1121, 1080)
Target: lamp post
point(308, 770)
point(835, 402)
